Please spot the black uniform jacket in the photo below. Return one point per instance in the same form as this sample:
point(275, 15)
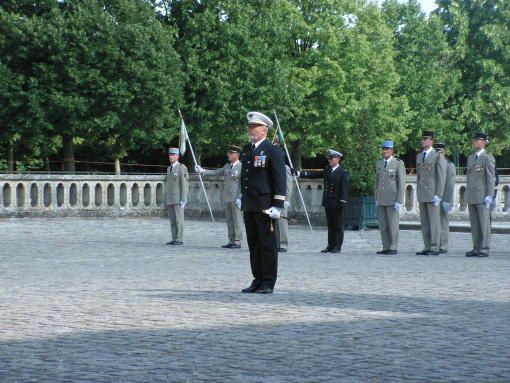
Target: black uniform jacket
point(336, 186)
point(263, 183)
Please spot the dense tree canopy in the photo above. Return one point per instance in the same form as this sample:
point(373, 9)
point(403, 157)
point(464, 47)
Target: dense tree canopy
point(105, 79)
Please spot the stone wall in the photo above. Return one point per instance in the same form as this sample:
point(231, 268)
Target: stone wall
point(29, 195)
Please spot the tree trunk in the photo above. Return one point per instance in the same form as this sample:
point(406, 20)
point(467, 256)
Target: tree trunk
point(69, 164)
point(296, 154)
point(11, 162)
point(117, 166)
point(47, 164)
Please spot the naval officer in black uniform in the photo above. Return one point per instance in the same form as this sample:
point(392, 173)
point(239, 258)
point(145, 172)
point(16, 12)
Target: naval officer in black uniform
point(334, 198)
point(261, 199)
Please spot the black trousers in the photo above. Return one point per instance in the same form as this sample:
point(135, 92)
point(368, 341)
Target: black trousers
point(261, 238)
point(335, 219)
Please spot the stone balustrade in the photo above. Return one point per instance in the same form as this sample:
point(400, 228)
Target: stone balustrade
point(500, 206)
point(52, 195)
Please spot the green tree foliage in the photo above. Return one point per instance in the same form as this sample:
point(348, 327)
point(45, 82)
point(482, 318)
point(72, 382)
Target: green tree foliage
point(234, 59)
point(105, 72)
point(109, 76)
point(331, 80)
point(428, 76)
point(478, 32)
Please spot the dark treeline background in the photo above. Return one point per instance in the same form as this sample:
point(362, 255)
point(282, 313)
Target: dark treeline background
point(84, 82)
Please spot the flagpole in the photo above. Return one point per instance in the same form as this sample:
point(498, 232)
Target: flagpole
point(295, 178)
point(195, 161)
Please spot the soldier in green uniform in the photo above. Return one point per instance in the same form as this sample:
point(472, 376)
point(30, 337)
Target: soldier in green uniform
point(447, 203)
point(430, 181)
point(481, 179)
point(232, 184)
point(176, 195)
point(390, 182)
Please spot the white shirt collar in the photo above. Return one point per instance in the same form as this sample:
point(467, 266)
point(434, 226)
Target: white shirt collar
point(428, 151)
point(388, 160)
point(259, 142)
point(234, 164)
point(480, 152)
point(334, 168)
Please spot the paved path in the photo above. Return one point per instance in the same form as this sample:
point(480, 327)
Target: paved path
point(104, 300)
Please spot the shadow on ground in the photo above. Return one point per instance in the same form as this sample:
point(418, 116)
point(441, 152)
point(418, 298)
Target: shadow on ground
point(437, 340)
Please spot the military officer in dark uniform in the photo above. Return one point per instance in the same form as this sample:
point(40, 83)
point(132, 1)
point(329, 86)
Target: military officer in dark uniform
point(261, 199)
point(334, 198)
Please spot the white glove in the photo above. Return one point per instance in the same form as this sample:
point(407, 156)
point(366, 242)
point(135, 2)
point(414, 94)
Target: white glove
point(446, 207)
point(199, 169)
point(286, 204)
point(238, 203)
point(436, 200)
point(487, 201)
point(274, 212)
point(182, 203)
point(397, 206)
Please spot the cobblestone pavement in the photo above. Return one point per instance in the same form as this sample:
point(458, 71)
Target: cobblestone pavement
point(104, 300)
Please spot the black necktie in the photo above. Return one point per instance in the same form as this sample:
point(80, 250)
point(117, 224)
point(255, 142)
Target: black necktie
point(231, 166)
point(385, 163)
point(171, 166)
point(424, 155)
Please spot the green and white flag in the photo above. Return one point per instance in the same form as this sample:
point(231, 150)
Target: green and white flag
point(182, 138)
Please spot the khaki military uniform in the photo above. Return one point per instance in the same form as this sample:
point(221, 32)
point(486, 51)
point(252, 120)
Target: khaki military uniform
point(231, 187)
point(481, 179)
point(431, 178)
point(283, 224)
point(390, 182)
point(176, 190)
point(449, 191)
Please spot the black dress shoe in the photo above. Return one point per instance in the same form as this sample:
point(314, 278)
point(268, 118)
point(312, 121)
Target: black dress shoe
point(334, 250)
point(227, 246)
point(382, 252)
point(483, 254)
point(471, 253)
point(178, 243)
point(235, 246)
point(443, 251)
point(250, 289)
point(391, 252)
point(424, 252)
point(433, 252)
point(170, 243)
point(282, 250)
point(264, 290)
point(326, 250)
